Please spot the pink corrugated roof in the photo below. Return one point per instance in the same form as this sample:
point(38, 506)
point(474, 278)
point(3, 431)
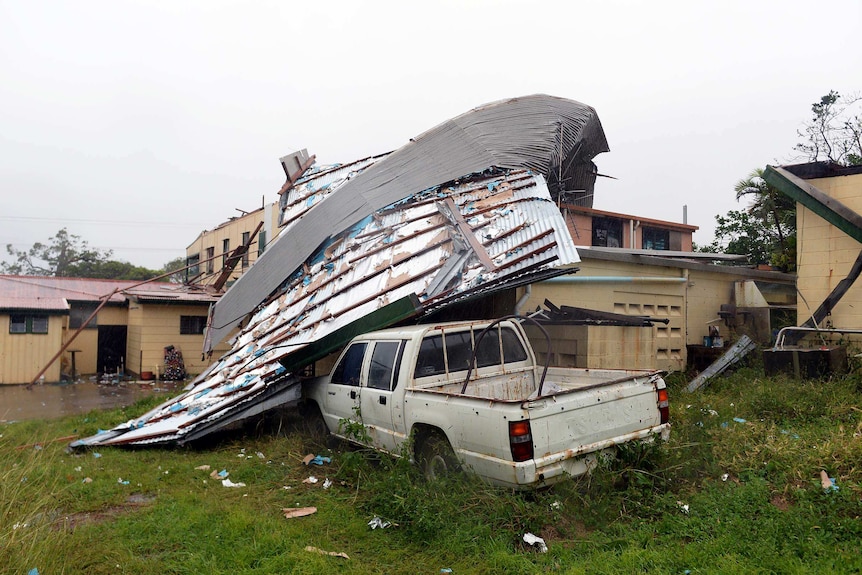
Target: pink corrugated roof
point(35, 292)
point(34, 303)
point(76, 289)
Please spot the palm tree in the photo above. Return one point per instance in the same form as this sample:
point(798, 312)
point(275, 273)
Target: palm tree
point(770, 205)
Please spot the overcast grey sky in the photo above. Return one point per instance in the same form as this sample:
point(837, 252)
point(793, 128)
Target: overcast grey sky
point(137, 124)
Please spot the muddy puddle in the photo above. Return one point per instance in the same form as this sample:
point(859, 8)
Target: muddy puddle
point(48, 401)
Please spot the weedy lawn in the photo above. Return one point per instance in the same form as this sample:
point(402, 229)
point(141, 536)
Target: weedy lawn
point(737, 489)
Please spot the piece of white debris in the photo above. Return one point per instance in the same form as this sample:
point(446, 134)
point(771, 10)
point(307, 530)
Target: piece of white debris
point(536, 542)
point(229, 483)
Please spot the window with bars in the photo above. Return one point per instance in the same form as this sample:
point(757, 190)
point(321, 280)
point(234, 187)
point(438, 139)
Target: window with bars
point(21, 323)
point(192, 324)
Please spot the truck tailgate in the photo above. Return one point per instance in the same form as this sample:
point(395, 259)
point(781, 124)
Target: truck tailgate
point(584, 417)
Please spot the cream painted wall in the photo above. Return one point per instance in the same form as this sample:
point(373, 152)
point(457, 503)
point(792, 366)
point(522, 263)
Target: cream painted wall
point(87, 341)
point(232, 231)
point(825, 254)
point(159, 327)
point(22, 356)
point(687, 305)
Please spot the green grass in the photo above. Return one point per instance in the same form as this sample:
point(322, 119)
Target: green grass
point(752, 487)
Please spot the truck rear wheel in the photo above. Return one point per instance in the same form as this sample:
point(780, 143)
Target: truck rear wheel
point(437, 458)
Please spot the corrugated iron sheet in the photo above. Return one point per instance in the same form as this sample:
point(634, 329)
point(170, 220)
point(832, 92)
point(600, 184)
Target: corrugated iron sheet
point(554, 137)
point(500, 226)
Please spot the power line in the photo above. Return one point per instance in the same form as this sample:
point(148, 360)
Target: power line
point(106, 222)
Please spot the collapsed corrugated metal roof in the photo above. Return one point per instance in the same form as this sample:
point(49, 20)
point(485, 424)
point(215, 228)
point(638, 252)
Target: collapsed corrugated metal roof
point(551, 136)
point(485, 232)
point(360, 256)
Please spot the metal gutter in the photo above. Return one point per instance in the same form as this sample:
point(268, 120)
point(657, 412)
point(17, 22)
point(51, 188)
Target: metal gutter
point(616, 279)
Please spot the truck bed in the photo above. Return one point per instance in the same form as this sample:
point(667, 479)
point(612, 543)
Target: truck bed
point(521, 386)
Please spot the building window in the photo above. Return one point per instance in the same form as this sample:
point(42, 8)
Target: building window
point(192, 324)
point(225, 248)
point(655, 239)
point(210, 260)
point(261, 243)
point(79, 313)
point(245, 236)
point(20, 323)
point(193, 268)
point(607, 232)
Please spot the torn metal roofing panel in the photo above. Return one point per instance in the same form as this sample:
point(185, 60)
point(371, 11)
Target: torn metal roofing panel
point(554, 137)
point(501, 227)
point(162, 292)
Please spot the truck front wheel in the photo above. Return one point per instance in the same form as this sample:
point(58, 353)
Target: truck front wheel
point(437, 458)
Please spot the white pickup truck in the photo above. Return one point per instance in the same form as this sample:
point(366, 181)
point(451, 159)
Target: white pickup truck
point(506, 419)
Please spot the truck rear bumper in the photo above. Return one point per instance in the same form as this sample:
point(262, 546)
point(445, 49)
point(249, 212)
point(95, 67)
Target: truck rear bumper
point(554, 467)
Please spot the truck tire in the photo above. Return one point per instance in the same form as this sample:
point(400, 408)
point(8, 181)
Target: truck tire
point(437, 458)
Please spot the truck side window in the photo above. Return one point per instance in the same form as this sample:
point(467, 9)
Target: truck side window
point(459, 348)
point(430, 359)
point(513, 349)
point(384, 360)
point(488, 352)
point(349, 368)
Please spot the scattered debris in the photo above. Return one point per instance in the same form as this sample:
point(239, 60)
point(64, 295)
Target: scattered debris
point(203, 468)
point(327, 483)
point(536, 542)
point(122, 481)
point(828, 483)
point(683, 507)
point(316, 459)
point(290, 513)
point(311, 479)
point(229, 483)
point(378, 523)
point(736, 352)
point(725, 476)
point(87, 480)
point(330, 553)
point(219, 474)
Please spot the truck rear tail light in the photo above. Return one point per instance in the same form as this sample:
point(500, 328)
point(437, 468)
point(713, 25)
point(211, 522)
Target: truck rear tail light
point(521, 440)
point(663, 405)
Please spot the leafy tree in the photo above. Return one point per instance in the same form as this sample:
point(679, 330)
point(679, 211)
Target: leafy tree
point(834, 132)
point(67, 255)
point(765, 231)
point(177, 268)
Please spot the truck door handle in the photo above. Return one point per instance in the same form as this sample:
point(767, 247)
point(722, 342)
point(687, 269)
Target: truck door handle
point(352, 394)
point(382, 400)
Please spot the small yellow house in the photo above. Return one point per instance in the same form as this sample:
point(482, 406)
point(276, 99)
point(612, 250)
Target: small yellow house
point(101, 326)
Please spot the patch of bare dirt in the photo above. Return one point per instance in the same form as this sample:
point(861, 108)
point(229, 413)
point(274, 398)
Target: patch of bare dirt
point(780, 502)
point(71, 521)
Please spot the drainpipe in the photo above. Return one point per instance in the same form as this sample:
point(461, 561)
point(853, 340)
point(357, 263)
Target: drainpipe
point(523, 299)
